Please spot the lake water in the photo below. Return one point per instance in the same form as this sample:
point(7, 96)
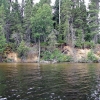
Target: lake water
point(50, 82)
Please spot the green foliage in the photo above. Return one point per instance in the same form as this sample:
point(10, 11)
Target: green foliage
point(42, 21)
point(79, 44)
point(46, 55)
point(29, 11)
point(99, 41)
point(2, 37)
point(43, 43)
point(56, 55)
point(33, 22)
point(2, 43)
point(80, 23)
point(56, 14)
point(16, 25)
point(89, 44)
point(45, 1)
point(93, 19)
point(22, 49)
point(12, 46)
point(92, 57)
point(86, 44)
point(52, 39)
point(61, 41)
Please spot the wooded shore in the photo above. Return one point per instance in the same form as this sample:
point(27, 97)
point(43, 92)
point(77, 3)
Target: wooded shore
point(55, 55)
point(68, 31)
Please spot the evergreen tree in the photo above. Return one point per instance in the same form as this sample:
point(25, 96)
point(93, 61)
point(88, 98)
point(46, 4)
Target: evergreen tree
point(6, 4)
point(22, 49)
point(65, 20)
point(7, 20)
point(56, 15)
point(28, 13)
point(16, 23)
point(79, 14)
point(2, 37)
point(93, 20)
point(2, 41)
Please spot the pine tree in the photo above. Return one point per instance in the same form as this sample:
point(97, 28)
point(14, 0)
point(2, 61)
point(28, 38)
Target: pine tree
point(93, 20)
point(28, 13)
point(79, 14)
point(65, 20)
point(2, 37)
point(16, 23)
point(2, 41)
point(7, 29)
point(56, 15)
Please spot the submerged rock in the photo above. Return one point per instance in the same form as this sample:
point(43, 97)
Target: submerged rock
point(43, 61)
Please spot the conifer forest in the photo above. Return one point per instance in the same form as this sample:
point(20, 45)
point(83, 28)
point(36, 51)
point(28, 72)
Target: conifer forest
point(67, 22)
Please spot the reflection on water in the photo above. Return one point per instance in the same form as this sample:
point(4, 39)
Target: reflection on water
point(50, 82)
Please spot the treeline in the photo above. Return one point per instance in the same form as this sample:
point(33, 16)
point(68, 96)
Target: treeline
point(79, 25)
point(68, 21)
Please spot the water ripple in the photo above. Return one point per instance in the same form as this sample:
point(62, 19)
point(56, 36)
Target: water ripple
point(49, 82)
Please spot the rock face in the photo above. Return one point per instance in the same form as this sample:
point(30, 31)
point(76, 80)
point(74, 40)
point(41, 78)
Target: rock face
point(31, 58)
point(67, 50)
point(77, 54)
point(32, 55)
point(13, 57)
point(80, 54)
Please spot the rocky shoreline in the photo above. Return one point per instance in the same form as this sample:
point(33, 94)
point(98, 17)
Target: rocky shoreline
point(77, 56)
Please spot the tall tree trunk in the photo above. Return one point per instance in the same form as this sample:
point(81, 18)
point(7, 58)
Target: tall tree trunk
point(59, 11)
point(22, 9)
point(72, 39)
point(39, 52)
point(68, 34)
point(0, 58)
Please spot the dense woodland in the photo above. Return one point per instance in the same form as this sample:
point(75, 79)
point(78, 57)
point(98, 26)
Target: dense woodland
point(68, 22)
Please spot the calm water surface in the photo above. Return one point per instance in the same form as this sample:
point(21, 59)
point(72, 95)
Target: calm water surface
point(50, 82)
